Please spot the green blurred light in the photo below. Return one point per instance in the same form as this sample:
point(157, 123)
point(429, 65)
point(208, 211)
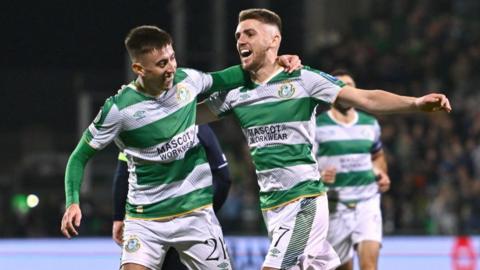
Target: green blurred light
point(19, 203)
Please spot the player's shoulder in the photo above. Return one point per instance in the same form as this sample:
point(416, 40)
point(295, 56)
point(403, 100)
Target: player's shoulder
point(316, 74)
point(126, 96)
point(366, 118)
point(182, 74)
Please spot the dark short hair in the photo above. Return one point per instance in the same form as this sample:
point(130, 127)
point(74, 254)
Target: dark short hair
point(263, 15)
point(144, 39)
point(341, 72)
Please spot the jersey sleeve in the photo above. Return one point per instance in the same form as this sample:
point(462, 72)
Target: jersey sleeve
point(105, 127)
point(218, 103)
point(208, 83)
point(228, 79)
point(322, 86)
point(75, 170)
point(377, 143)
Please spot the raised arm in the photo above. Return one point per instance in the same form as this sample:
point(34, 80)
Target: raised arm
point(383, 102)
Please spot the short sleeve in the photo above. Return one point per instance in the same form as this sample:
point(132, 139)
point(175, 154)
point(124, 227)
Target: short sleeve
point(322, 86)
point(105, 127)
point(218, 103)
point(377, 143)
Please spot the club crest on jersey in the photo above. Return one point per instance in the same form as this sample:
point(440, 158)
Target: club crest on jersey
point(183, 94)
point(132, 244)
point(286, 90)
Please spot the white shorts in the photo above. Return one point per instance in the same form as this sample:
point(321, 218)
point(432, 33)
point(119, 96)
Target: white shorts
point(197, 237)
point(297, 233)
point(350, 225)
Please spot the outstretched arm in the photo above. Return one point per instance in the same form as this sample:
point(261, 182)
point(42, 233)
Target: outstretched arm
point(382, 102)
point(73, 180)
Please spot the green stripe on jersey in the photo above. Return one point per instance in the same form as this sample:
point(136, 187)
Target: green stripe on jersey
point(261, 114)
point(180, 75)
point(128, 96)
point(173, 206)
point(275, 198)
point(335, 148)
point(102, 114)
point(165, 173)
point(360, 178)
point(324, 120)
point(365, 119)
point(161, 130)
point(281, 156)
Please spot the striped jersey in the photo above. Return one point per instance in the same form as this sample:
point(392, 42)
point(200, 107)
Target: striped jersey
point(349, 148)
point(168, 170)
point(278, 121)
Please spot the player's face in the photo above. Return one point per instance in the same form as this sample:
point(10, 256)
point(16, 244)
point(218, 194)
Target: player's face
point(348, 81)
point(158, 67)
point(254, 39)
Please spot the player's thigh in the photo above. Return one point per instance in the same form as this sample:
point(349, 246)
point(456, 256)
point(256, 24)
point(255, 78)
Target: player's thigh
point(298, 236)
point(340, 229)
point(202, 245)
point(144, 244)
point(369, 221)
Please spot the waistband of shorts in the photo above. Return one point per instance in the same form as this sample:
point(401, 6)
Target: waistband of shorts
point(294, 200)
point(169, 218)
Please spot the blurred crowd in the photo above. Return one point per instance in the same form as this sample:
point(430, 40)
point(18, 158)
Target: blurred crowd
point(408, 47)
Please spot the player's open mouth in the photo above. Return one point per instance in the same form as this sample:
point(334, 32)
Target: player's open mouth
point(244, 53)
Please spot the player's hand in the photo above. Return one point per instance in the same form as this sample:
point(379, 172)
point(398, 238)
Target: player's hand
point(290, 63)
point(433, 103)
point(328, 175)
point(70, 220)
point(383, 181)
point(117, 232)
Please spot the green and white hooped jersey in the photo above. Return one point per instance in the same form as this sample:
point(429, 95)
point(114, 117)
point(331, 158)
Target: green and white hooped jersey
point(278, 121)
point(349, 148)
point(168, 171)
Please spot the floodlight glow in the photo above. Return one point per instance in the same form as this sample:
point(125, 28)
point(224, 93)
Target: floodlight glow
point(32, 200)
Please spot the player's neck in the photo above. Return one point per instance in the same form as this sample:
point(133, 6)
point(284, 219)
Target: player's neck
point(147, 88)
point(266, 72)
point(343, 116)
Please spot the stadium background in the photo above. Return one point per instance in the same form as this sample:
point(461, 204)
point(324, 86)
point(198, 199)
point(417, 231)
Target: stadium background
point(61, 59)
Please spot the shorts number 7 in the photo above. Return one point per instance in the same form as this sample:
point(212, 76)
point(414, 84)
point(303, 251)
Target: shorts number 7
point(285, 230)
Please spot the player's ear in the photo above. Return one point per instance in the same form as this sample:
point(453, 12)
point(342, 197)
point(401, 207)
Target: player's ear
point(138, 69)
point(277, 39)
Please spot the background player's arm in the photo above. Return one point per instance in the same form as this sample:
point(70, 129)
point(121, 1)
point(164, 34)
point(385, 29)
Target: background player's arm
point(380, 169)
point(204, 114)
point(218, 166)
point(73, 180)
point(119, 193)
point(380, 101)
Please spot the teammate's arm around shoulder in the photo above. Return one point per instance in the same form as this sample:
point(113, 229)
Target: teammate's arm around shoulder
point(381, 102)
